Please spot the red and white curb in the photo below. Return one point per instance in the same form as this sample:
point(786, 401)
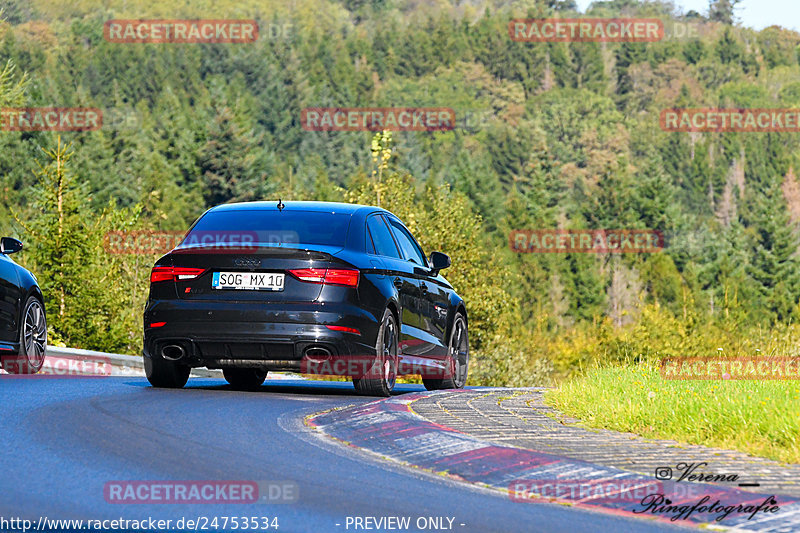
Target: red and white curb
point(391, 429)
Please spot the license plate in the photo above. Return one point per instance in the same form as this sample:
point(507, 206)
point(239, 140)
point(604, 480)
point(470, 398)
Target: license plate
point(248, 281)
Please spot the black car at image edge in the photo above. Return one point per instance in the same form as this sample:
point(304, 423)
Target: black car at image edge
point(261, 286)
point(23, 325)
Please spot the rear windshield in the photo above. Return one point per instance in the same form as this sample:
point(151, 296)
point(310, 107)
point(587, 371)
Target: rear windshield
point(276, 228)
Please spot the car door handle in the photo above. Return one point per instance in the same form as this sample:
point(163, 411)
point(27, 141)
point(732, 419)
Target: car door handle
point(398, 282)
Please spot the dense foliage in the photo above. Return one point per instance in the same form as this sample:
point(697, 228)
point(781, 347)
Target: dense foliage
point(549, 135)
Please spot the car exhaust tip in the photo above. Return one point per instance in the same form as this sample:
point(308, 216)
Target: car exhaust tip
point(316, 351)
point(172, 352)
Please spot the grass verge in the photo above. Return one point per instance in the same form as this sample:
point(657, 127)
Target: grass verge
point(761, 418)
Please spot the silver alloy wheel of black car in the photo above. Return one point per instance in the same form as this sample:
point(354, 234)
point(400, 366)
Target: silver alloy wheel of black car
point(32, 341)
point(35, 334)
point(389, 359)
point(457, 359)
point(381, 378)
point(459, 352)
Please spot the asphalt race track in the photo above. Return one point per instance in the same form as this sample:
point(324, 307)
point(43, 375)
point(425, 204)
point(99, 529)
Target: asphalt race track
point(64, 439)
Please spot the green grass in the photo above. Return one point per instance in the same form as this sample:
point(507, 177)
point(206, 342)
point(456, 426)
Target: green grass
point(761, 418)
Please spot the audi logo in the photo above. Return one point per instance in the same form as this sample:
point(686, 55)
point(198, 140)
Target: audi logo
point(247, 262)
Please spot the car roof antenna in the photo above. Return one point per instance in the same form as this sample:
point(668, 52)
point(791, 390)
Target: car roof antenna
point(280, 205)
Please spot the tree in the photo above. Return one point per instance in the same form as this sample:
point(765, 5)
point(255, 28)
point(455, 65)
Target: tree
point(85, 293)
point(586, 288)
point(623, 293)
point(774, 265)
point(587, 61)
point(694, 51)
point(381, 150)
point(655, 196)
point(626, 55)
point(728, 48)
point(472, 175)
point(563, 5)
point(723, 10)
point(227, 161)
point(12, 86)
point(778, 46)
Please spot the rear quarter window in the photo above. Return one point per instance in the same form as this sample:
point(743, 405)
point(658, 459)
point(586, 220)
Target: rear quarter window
point(382, 237)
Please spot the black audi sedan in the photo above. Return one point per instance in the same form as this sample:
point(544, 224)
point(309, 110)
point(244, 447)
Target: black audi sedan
point(311, 287)
point(23, 326)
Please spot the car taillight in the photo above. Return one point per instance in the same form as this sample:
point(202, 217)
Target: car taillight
point(311, 275)
point(348, 278)
point(330, 276)
point(174, 273)
point(344, 329)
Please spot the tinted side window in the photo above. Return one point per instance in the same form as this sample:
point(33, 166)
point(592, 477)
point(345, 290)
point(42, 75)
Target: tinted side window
point(381, 238)
point(370, 245)
point(411, 249)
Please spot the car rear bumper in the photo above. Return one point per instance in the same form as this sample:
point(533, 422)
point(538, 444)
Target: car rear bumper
point(256, 334)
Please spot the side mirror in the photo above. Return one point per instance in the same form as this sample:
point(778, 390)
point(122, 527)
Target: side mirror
point(439, 261)
point(9, 245)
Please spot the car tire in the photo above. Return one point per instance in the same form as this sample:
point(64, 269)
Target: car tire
point(457, 359)
point(32, 341)
point(165, 374)
point(381, 378)
point(244, 378)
